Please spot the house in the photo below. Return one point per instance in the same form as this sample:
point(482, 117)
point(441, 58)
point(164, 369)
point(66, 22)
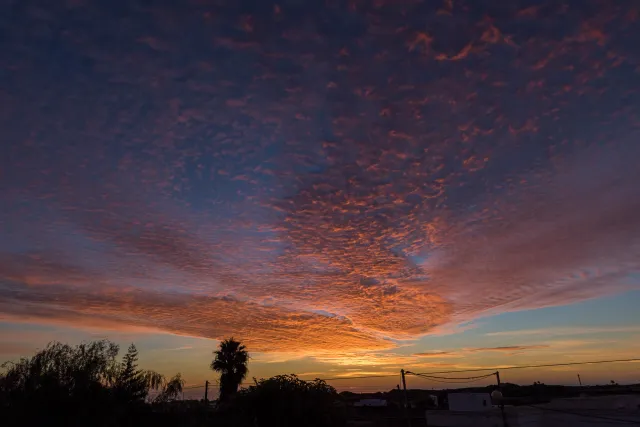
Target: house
point(466, 402)
point(602, 411)
point(371, 403)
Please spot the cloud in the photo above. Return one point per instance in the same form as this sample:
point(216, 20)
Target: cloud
point(467, 351)
point(34, 269)
point(509, 348)
point(564, 331)
point(547, 244)
point(435, 354)
point(303, 199)
point(262, 328)
point(313, 374)
point(543, 248)
point(186, 347)
point(364, 373)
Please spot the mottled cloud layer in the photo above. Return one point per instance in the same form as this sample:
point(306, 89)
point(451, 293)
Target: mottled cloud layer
point(316, 178)
point(264, 328)
point(571, 236)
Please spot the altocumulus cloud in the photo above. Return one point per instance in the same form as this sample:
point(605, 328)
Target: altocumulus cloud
point(302, 199)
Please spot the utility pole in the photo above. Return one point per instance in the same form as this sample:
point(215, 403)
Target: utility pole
point(406, 399)
point(206, 391)
point(579, 380)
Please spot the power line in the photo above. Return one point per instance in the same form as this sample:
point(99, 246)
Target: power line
point(452, 378)
point(618, 420)
point(452, 382)
point(363, 386)
point(215, 382)
point(193, 386)
point(446, 380)
point(504, 368)
point(356, 378)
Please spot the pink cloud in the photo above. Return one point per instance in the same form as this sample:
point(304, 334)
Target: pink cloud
point(435, 354)
point(548, 243)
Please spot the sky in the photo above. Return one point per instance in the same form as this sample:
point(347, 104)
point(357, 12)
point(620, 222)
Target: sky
point(349, 187)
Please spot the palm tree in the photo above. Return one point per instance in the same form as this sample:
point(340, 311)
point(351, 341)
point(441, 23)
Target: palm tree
point(231, 362)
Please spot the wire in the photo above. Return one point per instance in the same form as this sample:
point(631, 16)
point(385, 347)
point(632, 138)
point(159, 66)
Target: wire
point(454, 380)
point(372, 387)
point(451, 378)
point(193, 386)
point(598, 417)
point(451, 381)
point(355, 378)
point(531, 366)
point(426, 374)
point(211, 383)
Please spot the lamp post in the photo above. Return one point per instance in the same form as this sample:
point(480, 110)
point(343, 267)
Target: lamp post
point(497, 396)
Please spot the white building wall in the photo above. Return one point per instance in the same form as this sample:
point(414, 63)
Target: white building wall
point(469, 401)
point(579, 412)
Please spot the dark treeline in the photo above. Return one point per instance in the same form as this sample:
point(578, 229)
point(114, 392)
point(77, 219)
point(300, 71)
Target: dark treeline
point(89, 385)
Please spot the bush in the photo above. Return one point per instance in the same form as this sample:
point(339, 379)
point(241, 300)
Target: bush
point(286, 400)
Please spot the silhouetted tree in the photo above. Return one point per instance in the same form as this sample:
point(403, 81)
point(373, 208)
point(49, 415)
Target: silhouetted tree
point(171, 389)
point(286, 400)
point(78, 386)
point(131, 382)
point(231, 362)
point(60, 383)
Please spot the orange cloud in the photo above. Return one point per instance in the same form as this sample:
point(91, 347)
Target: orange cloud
point(434, 354)
point(262, 328)
point(509, 348)
point(346, 268)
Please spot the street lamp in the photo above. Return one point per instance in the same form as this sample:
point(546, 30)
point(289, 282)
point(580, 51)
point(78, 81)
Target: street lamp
point(496, 395)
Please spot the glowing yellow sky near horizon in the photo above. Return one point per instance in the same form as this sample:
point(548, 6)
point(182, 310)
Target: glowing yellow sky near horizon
point(484, 347)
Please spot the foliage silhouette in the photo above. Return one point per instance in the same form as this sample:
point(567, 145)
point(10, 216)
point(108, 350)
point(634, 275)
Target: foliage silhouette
point(132, 384)
point(286, 400)
point(231, 362)
point(89, 385)
point(79, 385)
point(171, 390)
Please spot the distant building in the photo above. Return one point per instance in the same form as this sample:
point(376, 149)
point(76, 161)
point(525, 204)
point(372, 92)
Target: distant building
point(372, 403)
point(604, 411)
